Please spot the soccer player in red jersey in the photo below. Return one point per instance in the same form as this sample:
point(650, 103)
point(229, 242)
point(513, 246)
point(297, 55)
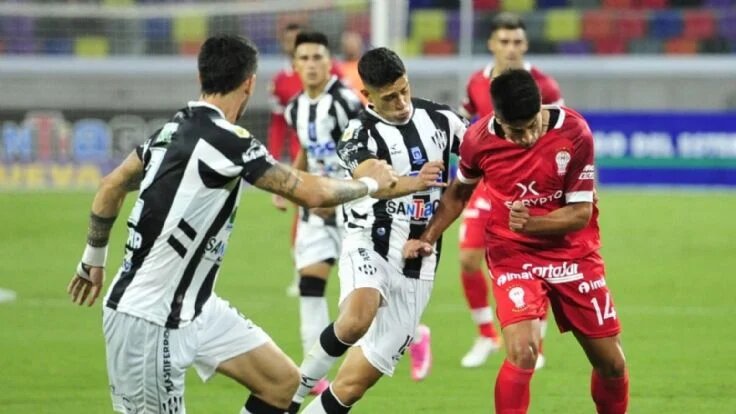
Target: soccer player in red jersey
point(542, 240)
point(508, 44)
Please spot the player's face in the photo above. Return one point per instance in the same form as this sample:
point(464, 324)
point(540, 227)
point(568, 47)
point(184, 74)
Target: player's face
point(288, 38)
point(312, 64)
point(524, 133)
point(393, 101)
point(508, 47)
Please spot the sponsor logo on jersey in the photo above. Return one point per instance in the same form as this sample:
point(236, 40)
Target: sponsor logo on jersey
point(416, 156)
point(562, 159)
point(216, 248)
point(417, 209)
point(321, 150)
point(528, 189)
point(256, 150)
point(585, 287)
point(588, 172)
point(134, 239)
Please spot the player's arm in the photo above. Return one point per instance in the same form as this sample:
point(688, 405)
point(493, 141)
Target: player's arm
point(567, 219)
point(313, 191)
point(429, 176)
point(87, 281)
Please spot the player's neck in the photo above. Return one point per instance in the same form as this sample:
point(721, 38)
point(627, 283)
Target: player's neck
point(229, 104)
point(313, 92)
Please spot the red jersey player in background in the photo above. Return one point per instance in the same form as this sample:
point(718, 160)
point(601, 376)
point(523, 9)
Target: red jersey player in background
point(542, 240)
point(508, 44)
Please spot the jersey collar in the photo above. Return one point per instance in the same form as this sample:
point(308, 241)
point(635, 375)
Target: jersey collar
point(560, 120)
point(369, 109)
point(197, 104)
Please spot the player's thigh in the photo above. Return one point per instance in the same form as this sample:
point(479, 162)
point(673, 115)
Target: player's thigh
point(580, 299)
point(146, 364)
point(315, 244)
point(264, 370)
point(395, 324)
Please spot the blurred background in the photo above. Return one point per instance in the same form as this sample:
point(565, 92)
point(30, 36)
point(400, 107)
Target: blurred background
point(83, 81)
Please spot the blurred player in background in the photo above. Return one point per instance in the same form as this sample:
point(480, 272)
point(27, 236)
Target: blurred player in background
point(161, 314)
point(352, 49)
point(319, 115)
point(542, 240)
point(508, 44)
point(382, 296)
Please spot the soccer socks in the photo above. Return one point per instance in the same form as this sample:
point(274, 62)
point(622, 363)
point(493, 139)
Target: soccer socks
point(512, 389)
point(611, 395)
point(318, 361)
point(255, 405)
point(313, 311)
point(475, 288)
point(326, 403)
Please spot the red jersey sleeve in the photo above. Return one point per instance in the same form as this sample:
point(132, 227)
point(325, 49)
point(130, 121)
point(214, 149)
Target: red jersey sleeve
point(579, 166)
point(467, 106)
point(550, 90)
point(468, 171)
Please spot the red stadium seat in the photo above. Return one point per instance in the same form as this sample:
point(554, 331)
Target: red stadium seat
point(653, 4)
point(630, 25)
point(681, 46)
point(699, 24)
point(439, 47)
point(485, 4)
point(618, 4)
point(597, 24)
point(610, 46)
point(189, 48)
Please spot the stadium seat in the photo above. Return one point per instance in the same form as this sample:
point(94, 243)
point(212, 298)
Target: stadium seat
point(630, 25)
point(535, 25)
point(542, 47)
point(453, 25)
point(652, 4)
point(189, 47)
point(411, 47)
point(580, 47)
point(727, 24)
point(597, 24)
point(58, 46)
point(610, 46)
point(699, 24)
point(551, 4)
point(157, 28)
point(665, 24)
point(618, 4)
point(518, 6)
point(428, 24)
point(439, 47)
point(190, 28)
point(645, 46)
point(719, 4)
point(91, 46)
point(482, 5)
point(562, 25)
point(118, 2)
point(681, 46)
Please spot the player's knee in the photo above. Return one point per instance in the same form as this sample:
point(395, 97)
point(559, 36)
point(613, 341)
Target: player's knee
point(283, 386)
point(612, 368)
point(349, 390)
point(522, 353)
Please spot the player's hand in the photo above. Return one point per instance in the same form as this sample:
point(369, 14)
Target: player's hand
point(518, 216)
point(86, 287)
point(323, 212)
point(279, 202)
point(431, 175)
point(380, 171)
point(417, 248)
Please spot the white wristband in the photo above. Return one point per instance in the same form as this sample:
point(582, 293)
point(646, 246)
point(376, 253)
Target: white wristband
point(370, 183)
point(94, 256)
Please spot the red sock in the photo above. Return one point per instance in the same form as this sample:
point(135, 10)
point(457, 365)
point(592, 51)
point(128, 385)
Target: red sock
point(611, 395)
point(512, 389)
point(475, 288)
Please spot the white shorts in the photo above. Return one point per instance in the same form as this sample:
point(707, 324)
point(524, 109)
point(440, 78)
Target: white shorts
point(146, 362)
point(402, 305)
point(315, 243)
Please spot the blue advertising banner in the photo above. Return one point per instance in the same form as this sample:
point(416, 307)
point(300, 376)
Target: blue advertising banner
point(665, 148)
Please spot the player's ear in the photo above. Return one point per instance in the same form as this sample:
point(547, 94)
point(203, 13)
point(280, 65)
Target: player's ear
point(249, 84)
point(367, 95)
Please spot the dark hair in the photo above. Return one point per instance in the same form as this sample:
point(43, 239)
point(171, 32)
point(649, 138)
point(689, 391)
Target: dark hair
point(380, 67)
point(224, 62)
point(515, 95)
point(311, 37)
point(507, 21)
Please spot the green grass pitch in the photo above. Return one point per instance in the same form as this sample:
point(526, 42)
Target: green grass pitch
point(670, 260)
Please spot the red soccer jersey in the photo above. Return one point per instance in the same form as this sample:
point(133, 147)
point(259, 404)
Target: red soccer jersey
point(558, 169)
point(478, 92)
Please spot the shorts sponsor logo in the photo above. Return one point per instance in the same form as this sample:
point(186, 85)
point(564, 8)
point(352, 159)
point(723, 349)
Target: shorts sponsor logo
point(510, 276)
point(516, 294)
point(173, 405)
point(562, 273)
point(585, 287)
point(166, 368)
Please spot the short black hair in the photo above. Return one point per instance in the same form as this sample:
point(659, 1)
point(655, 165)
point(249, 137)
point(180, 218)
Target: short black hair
point(507, 21)
point(311, 37)
point(380, 67)
point(225, 62)
point(515, 95)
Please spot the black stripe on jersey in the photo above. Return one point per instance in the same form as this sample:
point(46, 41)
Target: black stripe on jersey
point(187, 229)
point(176, 304)
point(177, 246)
point(312, 124)
point(210, 177)
point(444, 124)
point(381, 230)
point(293, 109)
point(332, 111)
point(418, 157)
point(205, 290)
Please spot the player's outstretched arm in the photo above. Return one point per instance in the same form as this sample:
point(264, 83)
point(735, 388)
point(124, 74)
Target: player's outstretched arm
point(300, 163)
point(429, 176)
point(313, 191)
point(86, 284)
point(567, 219)
point(451, 206)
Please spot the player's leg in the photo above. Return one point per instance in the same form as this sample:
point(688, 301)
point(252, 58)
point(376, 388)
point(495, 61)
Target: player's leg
point(292, 290)
point(520, 299)
point(232, 345)
point(543, 324)
point(609, 383)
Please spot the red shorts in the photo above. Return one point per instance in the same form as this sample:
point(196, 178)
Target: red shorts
point(475, 217)
point(576, 290)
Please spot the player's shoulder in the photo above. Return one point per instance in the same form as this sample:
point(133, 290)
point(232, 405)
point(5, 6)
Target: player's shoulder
point(478, 132)
point(539, 75)
point(342, 91)
point(355, 130)
point(431, 106)
point(480, 76)
point(572, 122)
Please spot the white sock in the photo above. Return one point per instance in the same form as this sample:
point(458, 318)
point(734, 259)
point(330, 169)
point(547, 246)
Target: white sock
point(482, 315)
point(314, 317)
point(315, 366)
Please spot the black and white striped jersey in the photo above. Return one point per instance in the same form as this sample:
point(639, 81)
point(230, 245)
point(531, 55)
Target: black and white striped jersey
point(181, 221)
point(432, 133)
point(319, 124)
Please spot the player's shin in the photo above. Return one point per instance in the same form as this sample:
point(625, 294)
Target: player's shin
point(611, 394)
point(318, 361)
point(313, 311)
point(327, 403)
point(512, 389)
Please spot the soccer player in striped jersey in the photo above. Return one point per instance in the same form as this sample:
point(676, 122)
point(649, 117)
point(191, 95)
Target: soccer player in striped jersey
point(160, 314)
point(319, 115)
point(382, 296)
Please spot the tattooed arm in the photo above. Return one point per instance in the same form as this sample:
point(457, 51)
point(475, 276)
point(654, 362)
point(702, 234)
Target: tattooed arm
point(89, 277)
point(312, 191)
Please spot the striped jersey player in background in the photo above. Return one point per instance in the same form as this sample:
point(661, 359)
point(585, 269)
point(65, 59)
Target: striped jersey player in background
point(160, 313)
point(319, 115)
point(383, 296)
